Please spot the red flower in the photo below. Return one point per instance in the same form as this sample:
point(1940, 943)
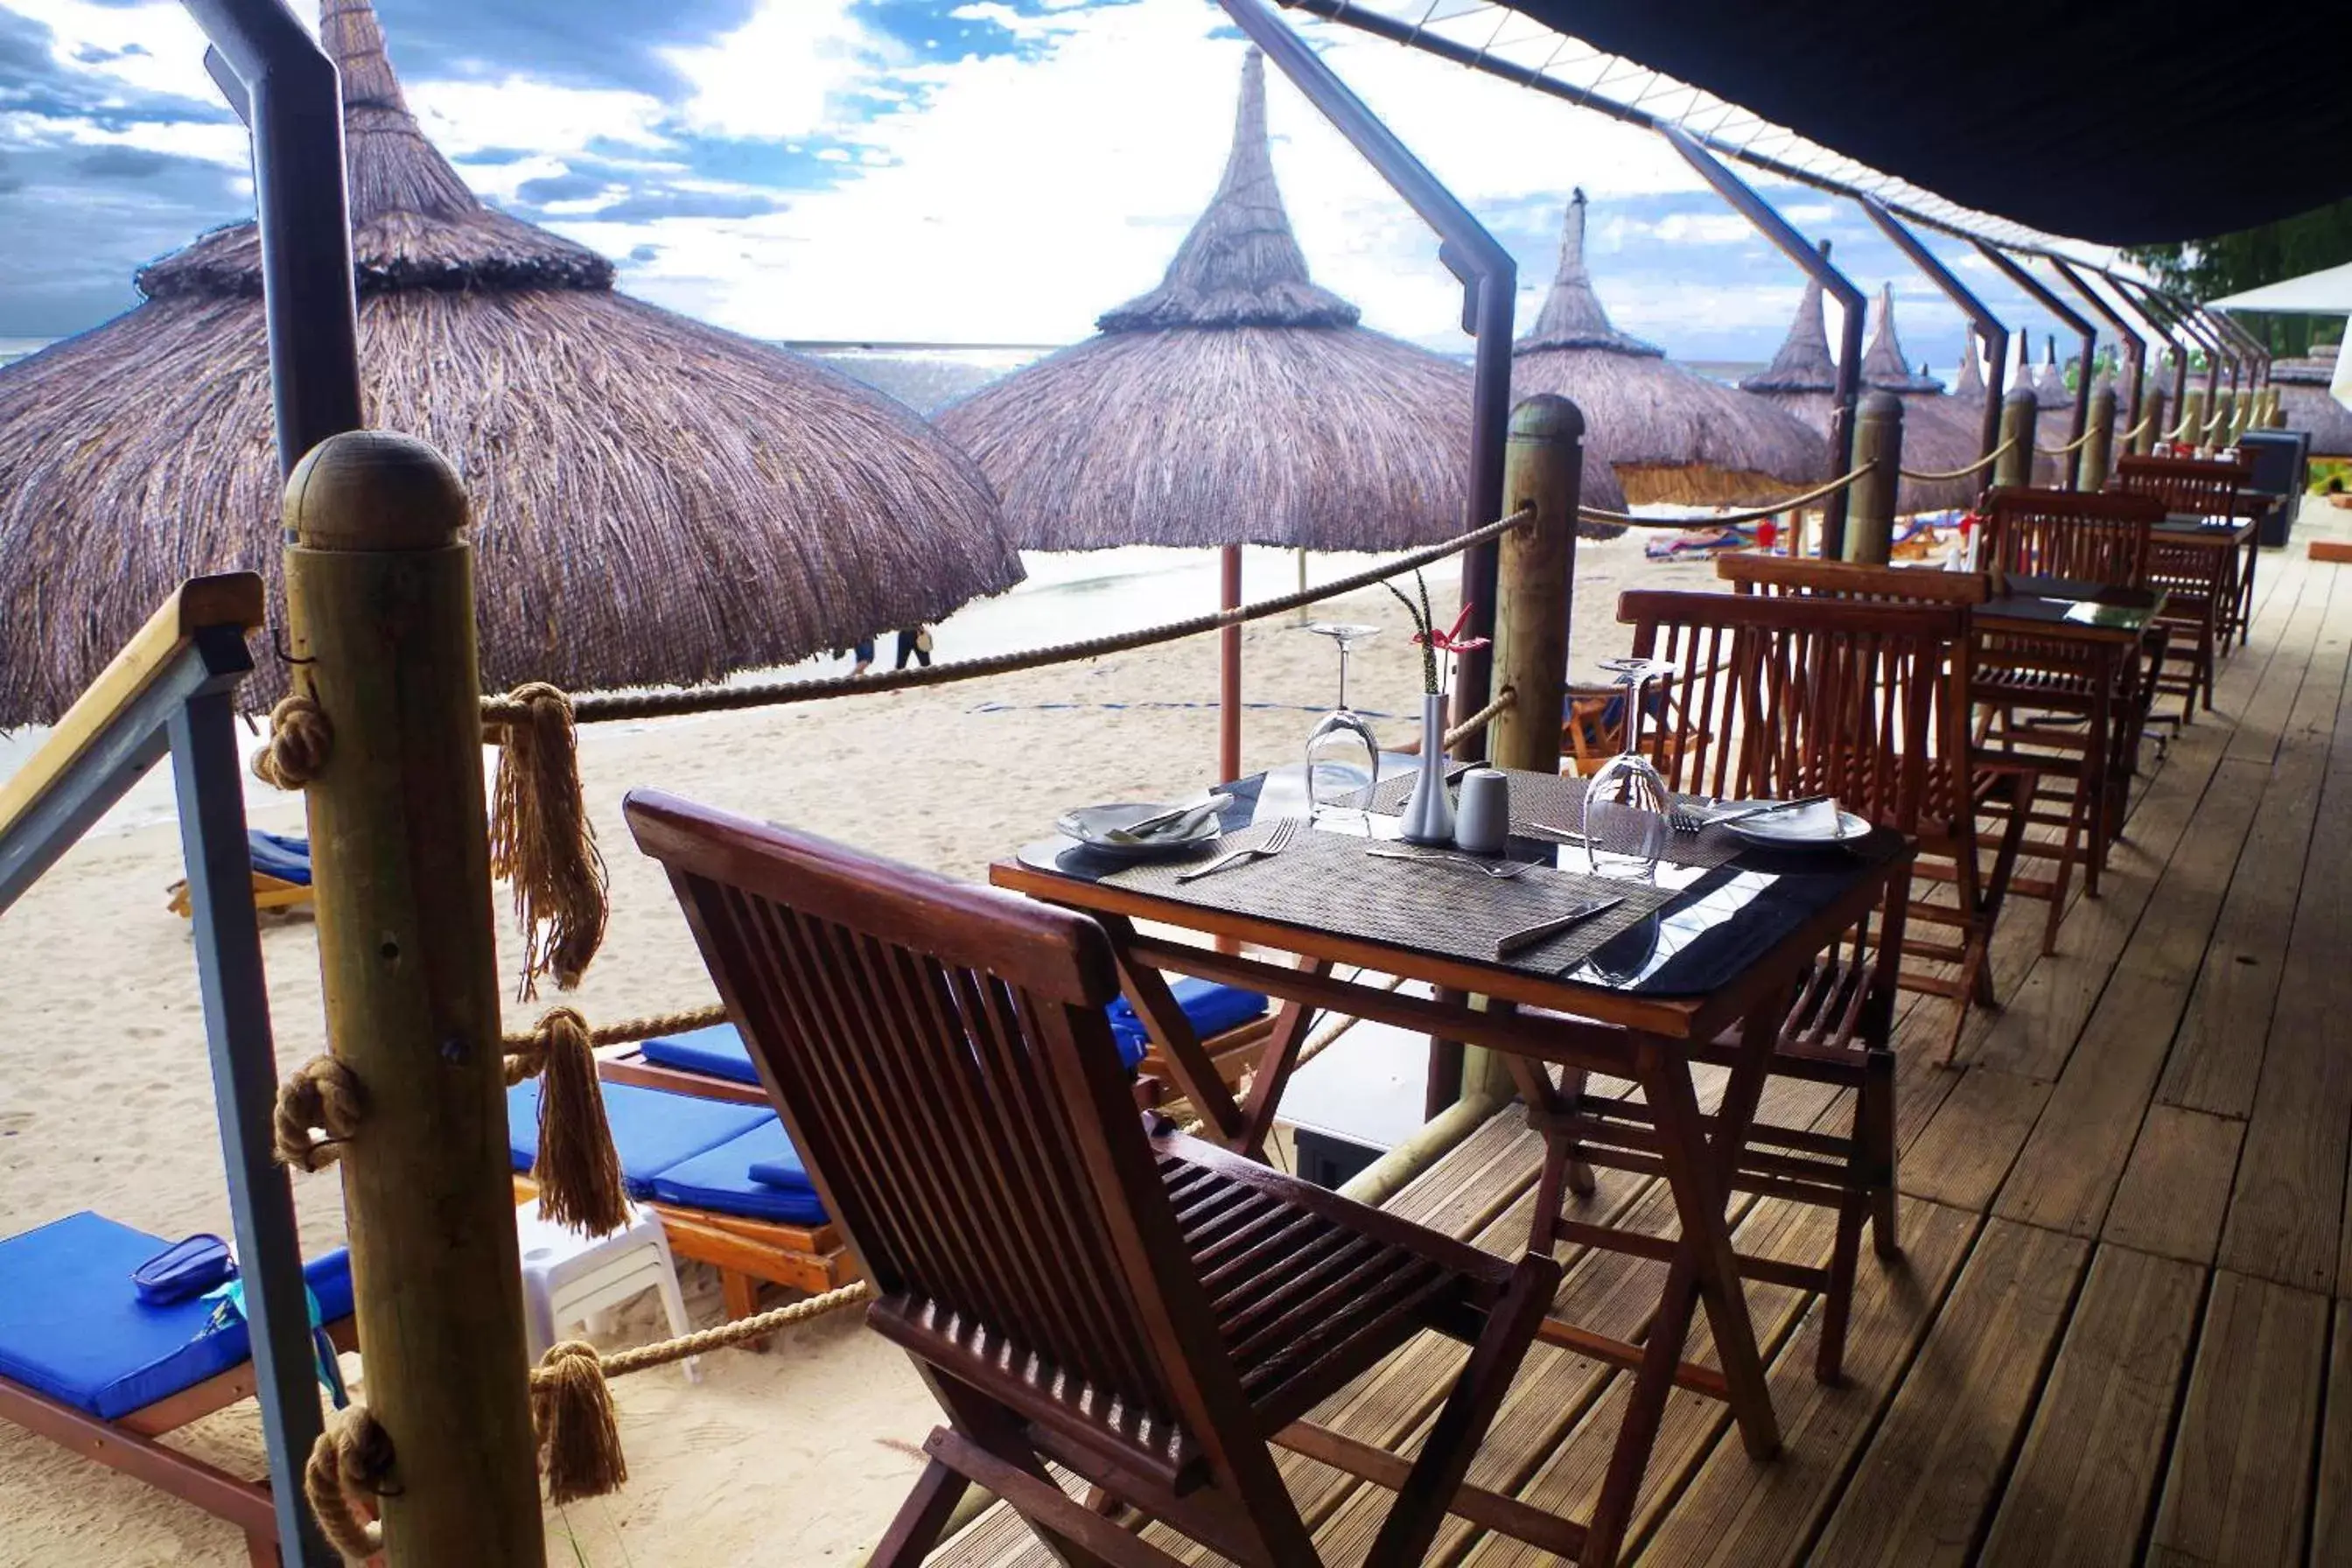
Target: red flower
point(1452, 640)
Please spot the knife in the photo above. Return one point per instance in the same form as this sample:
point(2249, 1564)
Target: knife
point(1766, 810)
point(1520, 941)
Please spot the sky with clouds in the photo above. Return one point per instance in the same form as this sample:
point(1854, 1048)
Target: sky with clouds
point(958, 170)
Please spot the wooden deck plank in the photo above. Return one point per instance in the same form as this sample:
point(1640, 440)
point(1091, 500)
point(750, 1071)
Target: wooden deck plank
point(2176, 1187)
point(2240, 1479)
point(2216, 1057)
point(1922, 1492)
point(2085, 1483)
point(2331, 1519)
point(1736, 1511)
point(2286, 1210)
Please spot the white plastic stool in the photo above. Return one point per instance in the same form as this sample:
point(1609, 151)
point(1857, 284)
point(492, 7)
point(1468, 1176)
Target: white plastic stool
point(567, 1276)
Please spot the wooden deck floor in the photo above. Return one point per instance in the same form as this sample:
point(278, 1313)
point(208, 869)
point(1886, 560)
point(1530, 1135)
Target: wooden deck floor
point(2122, 1329)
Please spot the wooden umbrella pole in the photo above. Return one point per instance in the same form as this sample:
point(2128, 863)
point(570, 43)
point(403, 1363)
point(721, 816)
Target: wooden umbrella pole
point(1229, 669)
point(381, 592)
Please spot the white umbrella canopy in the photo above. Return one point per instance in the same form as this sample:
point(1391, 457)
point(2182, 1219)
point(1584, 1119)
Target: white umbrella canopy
point(2327, 292)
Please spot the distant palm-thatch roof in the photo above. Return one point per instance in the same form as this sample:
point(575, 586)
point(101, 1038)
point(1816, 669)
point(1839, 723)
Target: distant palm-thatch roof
point(2050, 388)
point(1238, 402)
point(2306, 403)
point(1970, 387)
point(1802, 381)
point(655, 500)
point(1665, 434)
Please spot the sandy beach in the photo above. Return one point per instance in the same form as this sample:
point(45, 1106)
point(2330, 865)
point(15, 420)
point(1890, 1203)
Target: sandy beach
point(794, 1455)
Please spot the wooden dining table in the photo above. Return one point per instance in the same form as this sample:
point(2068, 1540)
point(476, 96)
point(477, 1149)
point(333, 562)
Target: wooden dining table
point(1698, 954)
point(2111, 622)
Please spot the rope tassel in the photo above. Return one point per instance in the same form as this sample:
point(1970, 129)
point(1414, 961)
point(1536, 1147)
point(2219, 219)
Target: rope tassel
point(353, 1456)
point(579, 1436)
point(541, 841)
point(578, 1172)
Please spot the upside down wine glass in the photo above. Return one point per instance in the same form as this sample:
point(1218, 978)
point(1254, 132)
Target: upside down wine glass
point(1339, 736)
point(1625, 802)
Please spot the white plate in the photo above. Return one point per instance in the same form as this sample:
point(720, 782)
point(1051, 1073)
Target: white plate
point(1089, 824)
point(1809, 827)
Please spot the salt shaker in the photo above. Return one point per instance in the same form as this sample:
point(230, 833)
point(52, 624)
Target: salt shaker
point(1482, 819)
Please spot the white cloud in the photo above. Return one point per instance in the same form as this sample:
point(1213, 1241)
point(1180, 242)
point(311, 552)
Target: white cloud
point(1703, 228)
point(462, 116)
point(783, 73)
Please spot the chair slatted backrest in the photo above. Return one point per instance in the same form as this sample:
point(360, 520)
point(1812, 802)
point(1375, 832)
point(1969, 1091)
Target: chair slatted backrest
point(2195, 486)
point(1798, 696)
point(1778, 576)
point(940, 1054)
point(2095, 537)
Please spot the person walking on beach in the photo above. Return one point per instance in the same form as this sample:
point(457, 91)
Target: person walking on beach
point(915, 643)
point(865, 651)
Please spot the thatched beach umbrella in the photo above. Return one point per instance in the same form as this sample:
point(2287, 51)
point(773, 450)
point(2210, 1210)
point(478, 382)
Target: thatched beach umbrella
point(1665, 434)
point(2050, 388)
point(1802, 381)
point(1238, 402)
point(1969, 389)
point(655, 500)
point(1939, 434)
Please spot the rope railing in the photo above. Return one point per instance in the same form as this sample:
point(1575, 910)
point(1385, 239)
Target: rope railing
point(1481, 719)
point(2071, 447)
point(608, 706)
point(2135, 432)
point(1792, 503)
point(1931, 476)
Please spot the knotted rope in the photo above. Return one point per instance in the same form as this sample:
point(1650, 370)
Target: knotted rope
point(301, 738)
point(571, 1404)
point(1794, 503)
point(541, 841)
point(352, 1458)
point(1931, 476)
point(604, 707)
point(320, 1106)
point(629, 1030)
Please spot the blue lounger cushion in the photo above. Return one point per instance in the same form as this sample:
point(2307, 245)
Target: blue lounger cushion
point(717, 1051)
point(283, 856)
point(651, 1130)
point(1213, 1009)
point(72, 1326)
point(728, 1180)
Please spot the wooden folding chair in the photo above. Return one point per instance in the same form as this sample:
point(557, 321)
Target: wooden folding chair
point(1962, 784)
point(2200, 581)
point(2068, 709)
point(1146, 1312)
point(1798, 696)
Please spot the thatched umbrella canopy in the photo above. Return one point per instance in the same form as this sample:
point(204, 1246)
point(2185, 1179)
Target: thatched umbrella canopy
point(1939, 435)
point(2307, 404)
point(655, 500)
point(1802, 380)
point(1666, 435)
point(1236, 404)
point(1970, 387)
point(2050, 388)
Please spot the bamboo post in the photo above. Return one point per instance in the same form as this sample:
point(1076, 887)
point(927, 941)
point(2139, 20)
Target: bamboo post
point(1543, 467)
point(2192, 416)
point(380, 587)
point(2152, 422)
point(2092, 471)
point(1878, 451)
point(2018, 415)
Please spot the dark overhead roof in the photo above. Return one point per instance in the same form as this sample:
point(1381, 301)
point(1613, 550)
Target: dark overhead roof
point(2120, 122)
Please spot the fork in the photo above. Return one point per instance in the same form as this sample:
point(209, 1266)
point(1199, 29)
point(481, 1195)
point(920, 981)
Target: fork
point(1277, 839)
point(1500, 870)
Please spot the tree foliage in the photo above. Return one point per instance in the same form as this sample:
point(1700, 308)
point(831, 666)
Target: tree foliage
point(2204, 269)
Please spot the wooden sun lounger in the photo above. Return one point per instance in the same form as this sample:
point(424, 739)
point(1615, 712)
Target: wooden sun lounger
point(268, 893)
point(129, 1444)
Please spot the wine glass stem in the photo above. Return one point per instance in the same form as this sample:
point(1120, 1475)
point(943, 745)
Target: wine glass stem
point(1343, 675)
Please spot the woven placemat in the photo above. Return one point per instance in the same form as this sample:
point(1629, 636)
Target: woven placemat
point(1329, 882)
point(1555, 802)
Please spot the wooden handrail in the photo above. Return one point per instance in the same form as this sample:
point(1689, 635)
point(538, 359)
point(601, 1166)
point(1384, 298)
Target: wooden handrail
point(231, 599)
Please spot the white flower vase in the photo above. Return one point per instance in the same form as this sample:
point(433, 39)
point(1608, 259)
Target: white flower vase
point(1429, 811)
